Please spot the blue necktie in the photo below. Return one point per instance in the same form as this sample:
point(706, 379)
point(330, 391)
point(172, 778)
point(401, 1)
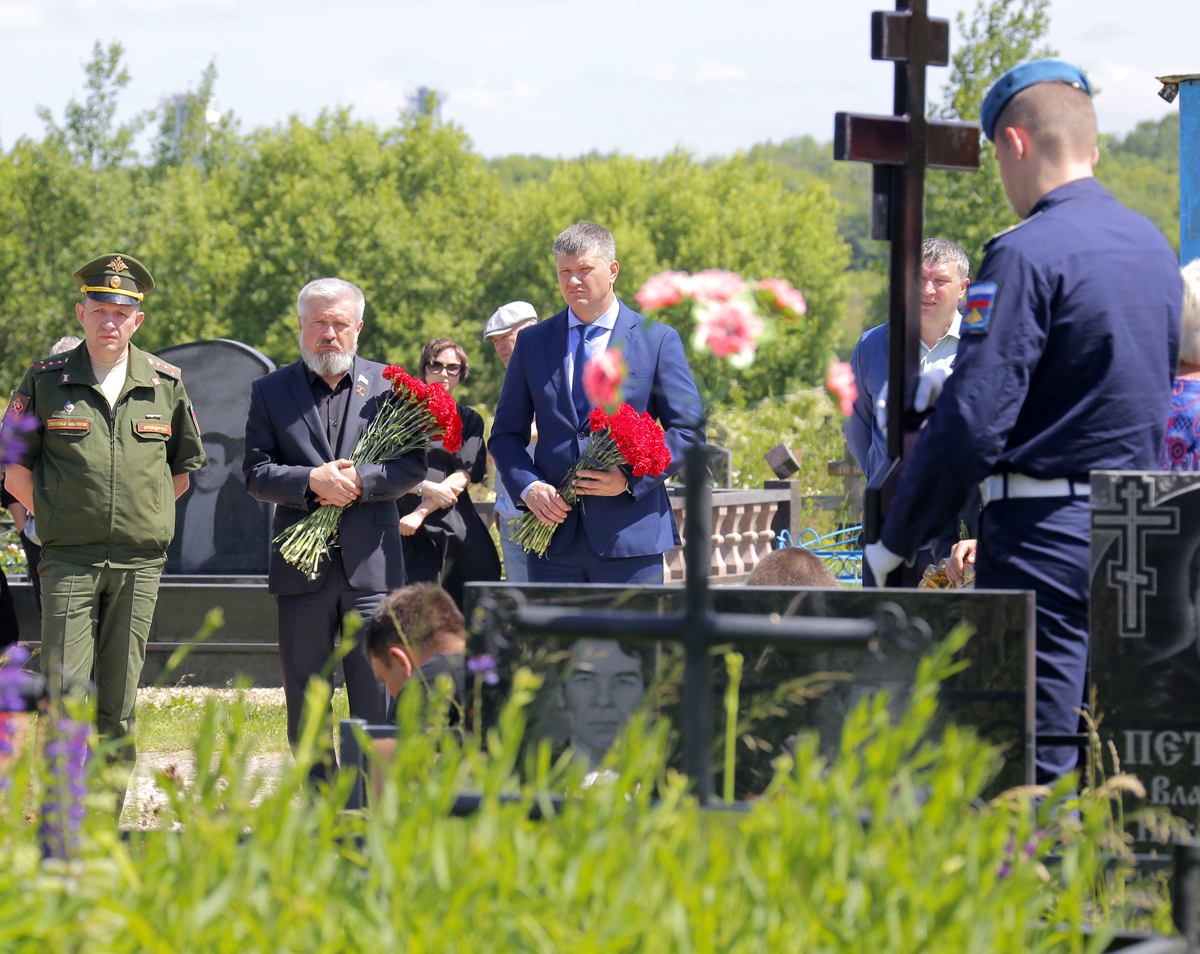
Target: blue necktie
point(583, 407)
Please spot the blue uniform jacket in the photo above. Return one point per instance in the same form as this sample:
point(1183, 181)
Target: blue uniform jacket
point(536, 384)
point(1067, 371)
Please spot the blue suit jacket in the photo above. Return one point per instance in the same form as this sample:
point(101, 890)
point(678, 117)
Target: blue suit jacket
point(285, 440)
point(536, 385)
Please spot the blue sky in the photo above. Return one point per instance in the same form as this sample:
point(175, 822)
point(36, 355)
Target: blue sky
point(556, 77)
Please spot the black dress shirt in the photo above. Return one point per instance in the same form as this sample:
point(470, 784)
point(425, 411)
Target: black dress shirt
point(331, 405)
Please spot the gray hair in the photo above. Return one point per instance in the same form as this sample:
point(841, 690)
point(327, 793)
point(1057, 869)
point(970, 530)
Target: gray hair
point(937, 251)
point(1189, 341)
point(586, 237)
point(331, 291)
point(66, 343)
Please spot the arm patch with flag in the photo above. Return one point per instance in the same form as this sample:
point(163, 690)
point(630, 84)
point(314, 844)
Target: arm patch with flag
point(981, 302)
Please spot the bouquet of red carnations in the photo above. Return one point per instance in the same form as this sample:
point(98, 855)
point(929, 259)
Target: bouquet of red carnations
point(625, 437)
point(409, 417)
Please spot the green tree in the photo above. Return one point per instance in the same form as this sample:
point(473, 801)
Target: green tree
point(969, 208)
point(1142, 171)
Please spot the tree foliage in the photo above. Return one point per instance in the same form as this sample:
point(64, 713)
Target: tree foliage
point(964, 207)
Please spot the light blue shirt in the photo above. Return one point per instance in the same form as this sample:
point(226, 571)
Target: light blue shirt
point(593, 347)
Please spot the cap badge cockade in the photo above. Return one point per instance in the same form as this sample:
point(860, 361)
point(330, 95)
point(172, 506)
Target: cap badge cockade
point(114, 282)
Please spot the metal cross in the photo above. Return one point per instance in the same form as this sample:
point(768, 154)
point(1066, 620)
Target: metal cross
point(901, 147)
point(1134, 517)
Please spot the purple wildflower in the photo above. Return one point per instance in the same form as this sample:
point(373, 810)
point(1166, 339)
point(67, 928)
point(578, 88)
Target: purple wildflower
point(62, 806)
point(486, 665)
point(13, 679)
point(11, 444)
point(1005, 871)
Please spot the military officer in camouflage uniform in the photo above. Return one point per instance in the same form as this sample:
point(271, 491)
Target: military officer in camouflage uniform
point(115, 442)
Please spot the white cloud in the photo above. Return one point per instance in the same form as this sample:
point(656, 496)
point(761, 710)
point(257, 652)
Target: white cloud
point(521, 100)
point(23, 16)
point(377, 98)
point(712, 70)
point(154, 6)
point(1127, 96)
point(663, 74)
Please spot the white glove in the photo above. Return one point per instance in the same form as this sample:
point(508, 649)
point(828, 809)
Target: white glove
point(881, 409)
point(881, 560)
point(929, 386)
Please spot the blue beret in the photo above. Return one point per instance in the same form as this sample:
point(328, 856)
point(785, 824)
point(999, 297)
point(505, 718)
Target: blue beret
point(1021, 77)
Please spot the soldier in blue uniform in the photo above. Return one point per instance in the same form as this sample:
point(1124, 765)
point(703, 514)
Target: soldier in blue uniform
point(1069, 343)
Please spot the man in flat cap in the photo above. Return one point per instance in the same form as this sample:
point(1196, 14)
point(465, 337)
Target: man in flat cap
point(114, 444)
point(1068, 346)
point(501, 330)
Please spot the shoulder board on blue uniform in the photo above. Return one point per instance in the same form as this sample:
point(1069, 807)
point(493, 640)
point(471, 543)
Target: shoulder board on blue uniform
point(1011, 228)
point(52, 363)
point(168, 369)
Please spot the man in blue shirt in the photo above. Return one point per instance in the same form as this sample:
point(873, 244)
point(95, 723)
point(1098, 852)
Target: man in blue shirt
point(1069, 343)
point(944, 278)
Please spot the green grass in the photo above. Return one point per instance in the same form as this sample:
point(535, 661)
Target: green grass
point(630, 865)
point(173, 726)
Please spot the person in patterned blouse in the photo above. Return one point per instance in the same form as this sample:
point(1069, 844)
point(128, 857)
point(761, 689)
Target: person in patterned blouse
point(1181, 445)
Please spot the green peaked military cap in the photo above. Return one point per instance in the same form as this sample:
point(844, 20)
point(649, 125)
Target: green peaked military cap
point(116, 278)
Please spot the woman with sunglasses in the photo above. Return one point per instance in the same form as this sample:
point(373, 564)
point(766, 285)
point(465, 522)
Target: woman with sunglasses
point(444, 540)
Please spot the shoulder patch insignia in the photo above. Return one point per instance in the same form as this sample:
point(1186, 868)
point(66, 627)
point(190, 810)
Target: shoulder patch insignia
point(16, 407)
point(52, 362)
point(981, 300)
point(168, 369)
point(195, 423)
point(1011, 228)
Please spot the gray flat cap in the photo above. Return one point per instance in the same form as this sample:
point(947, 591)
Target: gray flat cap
point(505, 318)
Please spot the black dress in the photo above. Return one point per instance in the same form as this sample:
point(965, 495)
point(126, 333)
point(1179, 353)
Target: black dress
point(452, 546)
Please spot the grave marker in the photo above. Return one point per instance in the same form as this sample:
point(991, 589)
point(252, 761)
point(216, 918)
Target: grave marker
point(1145, 619)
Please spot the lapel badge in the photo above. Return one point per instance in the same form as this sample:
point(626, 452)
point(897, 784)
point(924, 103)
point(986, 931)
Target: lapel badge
point(65, 379)
point(156, 381)
point(361, 390)
point(68, 407)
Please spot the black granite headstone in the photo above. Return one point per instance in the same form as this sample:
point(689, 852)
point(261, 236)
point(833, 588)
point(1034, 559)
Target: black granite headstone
point(1145, 657)
point(220, 530)
point(591, 684)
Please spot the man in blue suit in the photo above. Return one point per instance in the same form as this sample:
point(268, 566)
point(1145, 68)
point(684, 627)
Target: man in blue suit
point(621, 525)
point(304, 422)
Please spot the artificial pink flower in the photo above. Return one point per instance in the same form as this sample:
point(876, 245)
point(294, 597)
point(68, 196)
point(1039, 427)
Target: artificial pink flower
point(840, 381)
point(661, 290)
point(715, 284)
point(729, 330)
point(602, 378)
point(787, 299)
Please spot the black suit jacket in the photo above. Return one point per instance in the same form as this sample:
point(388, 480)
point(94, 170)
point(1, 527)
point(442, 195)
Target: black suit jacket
point(285, 440)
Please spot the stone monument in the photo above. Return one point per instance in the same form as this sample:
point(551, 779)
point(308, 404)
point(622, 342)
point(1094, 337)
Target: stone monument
point(1145, 617)
point(220, 530)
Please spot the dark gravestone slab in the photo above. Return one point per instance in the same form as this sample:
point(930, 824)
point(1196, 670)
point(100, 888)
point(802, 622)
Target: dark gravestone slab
point(219, 528)
point(1145, 657)
point(592, 685)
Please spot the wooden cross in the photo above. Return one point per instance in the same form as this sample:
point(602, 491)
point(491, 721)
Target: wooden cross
point(901, 147)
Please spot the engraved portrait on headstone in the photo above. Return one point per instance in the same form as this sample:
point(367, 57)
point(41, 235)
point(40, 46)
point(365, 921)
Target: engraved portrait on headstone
point(220, 530)
point(603, 687)
point(1145, 655)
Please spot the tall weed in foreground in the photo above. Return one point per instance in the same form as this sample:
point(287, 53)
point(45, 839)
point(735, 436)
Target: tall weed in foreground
point(886, 849)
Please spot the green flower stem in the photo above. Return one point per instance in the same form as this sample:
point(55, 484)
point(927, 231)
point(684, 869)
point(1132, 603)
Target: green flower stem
point(601, 453)
point(399, 426)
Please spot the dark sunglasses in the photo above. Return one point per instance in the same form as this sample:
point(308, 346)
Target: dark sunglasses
point(437, 367)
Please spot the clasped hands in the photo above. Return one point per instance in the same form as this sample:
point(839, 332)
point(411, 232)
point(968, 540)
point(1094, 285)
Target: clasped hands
point(545, 502)
point(335, 482)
